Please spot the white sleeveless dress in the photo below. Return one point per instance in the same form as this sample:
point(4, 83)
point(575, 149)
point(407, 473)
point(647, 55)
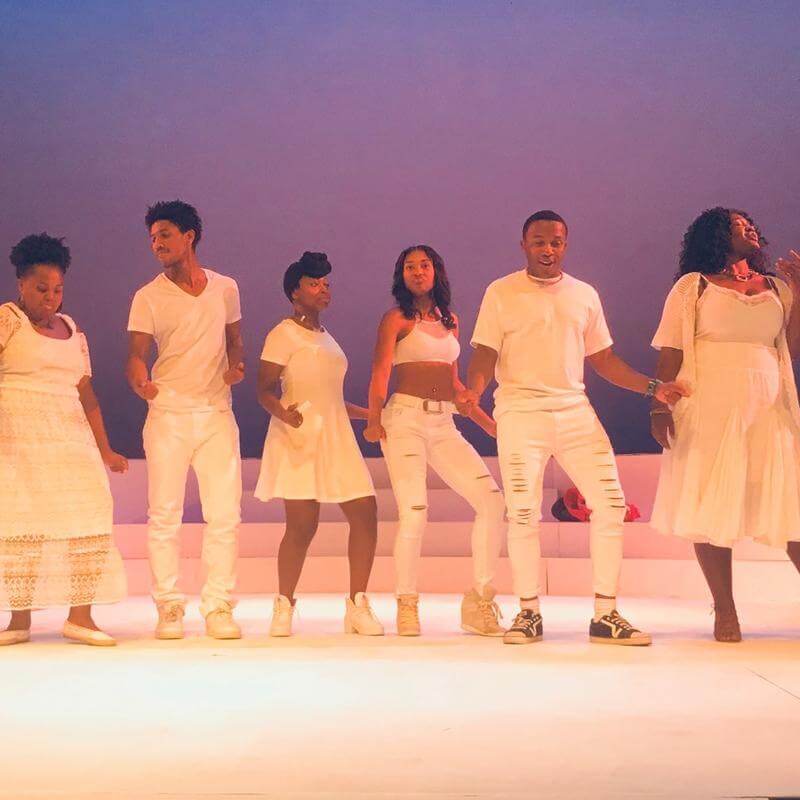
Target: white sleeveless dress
point(733, 470)
point(56, 522)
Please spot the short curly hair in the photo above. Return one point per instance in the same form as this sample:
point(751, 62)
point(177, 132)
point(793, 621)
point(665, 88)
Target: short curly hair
point(441, 286)
point(39, 248)
point(180, 214)
point(707, 244)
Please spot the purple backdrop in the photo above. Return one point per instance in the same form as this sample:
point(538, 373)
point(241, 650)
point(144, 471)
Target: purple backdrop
point(359, 128)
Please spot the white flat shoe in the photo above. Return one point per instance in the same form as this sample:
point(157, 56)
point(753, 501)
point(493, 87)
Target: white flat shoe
point(77, 633)
point(14, 637)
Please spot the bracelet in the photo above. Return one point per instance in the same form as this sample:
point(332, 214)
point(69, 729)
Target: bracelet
point(652, 385)
point(654, 412)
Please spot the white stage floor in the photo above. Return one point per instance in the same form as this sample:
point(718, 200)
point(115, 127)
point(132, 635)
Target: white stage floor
point(325, 715)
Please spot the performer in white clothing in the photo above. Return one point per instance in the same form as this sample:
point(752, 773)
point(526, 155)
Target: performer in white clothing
point(419, 338)
point(534, 330)
point(56, 544)
point(731, 463)
point(192, 314)
point(310, 453)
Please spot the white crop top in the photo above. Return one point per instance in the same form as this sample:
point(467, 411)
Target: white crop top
point(429, 340)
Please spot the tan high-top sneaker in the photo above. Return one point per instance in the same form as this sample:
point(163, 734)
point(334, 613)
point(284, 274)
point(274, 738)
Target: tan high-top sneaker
point(479, 613)
point(408, 615)
point(170, 621)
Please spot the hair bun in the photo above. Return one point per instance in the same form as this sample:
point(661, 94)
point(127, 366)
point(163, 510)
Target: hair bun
point(314, 260)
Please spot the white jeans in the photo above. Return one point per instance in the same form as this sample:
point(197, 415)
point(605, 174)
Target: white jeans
point(415, 438)
point(578, 442)
point(207, 441)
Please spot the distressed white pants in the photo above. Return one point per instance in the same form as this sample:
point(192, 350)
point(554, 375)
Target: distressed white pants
point(575, 438)
point(208, 442)
point(416, 438)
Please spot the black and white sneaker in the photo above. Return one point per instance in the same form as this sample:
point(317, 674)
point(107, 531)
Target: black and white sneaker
point(613, 628)
point(526, 628)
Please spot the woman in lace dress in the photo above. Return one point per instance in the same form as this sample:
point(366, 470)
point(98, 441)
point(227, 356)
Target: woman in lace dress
point(55, 528)
point(731, 463)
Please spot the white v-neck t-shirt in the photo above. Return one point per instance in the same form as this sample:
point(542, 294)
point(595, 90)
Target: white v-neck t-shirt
point(190, 335)
point(542, 333)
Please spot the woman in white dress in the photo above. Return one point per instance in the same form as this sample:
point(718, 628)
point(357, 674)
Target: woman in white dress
point(731, 463)
point(310, 454)
point(419, 338)
point(55, 528)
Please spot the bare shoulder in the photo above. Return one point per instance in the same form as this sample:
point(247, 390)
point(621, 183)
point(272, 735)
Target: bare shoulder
point(393, 319)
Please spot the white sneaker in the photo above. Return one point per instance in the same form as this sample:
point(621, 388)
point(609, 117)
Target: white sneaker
point(220, 624)
point(359, 617)
point(282, 613)
point(170, 621)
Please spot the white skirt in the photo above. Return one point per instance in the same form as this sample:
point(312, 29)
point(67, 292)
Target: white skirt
point(319, 461)
point(733, 470)
point(55, 529)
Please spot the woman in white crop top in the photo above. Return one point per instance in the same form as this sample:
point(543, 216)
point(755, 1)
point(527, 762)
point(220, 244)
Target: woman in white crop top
point(731, 463)
point(56, 545)
point(419, 339)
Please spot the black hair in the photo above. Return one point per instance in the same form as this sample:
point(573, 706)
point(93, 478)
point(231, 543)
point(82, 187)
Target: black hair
point(180, 214)
point(310, 265)
point(441, 286)
point(544, 214)
point(707, 244)
point(39, 248)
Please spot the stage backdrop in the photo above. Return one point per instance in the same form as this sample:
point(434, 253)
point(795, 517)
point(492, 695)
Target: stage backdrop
point(361, 128)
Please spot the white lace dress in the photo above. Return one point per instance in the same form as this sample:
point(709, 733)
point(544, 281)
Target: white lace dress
point(733, 470)
point(55, 525)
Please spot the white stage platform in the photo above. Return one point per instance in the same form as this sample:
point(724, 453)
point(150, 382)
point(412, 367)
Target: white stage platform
point(655, 565)
point(326, 716)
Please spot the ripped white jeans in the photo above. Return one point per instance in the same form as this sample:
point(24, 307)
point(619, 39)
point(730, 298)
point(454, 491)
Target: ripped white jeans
point(575, 438)
point(415, 438)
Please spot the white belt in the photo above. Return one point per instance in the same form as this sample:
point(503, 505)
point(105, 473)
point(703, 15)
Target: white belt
point(424, 404)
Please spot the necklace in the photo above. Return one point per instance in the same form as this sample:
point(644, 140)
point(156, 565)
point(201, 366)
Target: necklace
point(737, 277)
point(302, 321)
point(546, 281)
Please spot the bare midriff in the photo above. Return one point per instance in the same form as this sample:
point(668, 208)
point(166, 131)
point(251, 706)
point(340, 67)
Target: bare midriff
point(431, 380)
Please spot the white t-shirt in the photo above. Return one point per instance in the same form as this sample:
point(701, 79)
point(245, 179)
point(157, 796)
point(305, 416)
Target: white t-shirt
point(542, 334)
point(190, 335)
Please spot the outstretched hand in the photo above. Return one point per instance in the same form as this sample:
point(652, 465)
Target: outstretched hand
point(789, 268)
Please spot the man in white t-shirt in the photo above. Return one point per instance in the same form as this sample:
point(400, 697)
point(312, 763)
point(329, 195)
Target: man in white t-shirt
point(193, 316)
point(534, 330)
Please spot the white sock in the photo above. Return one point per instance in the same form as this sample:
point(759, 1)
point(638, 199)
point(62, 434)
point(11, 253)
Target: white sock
point(532, 604)
point(603, 606)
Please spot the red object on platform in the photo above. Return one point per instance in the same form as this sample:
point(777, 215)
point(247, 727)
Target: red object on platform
point(574, 504)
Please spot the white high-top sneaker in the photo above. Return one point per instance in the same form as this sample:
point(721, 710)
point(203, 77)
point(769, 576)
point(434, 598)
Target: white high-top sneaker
point(359, 617)
point(282, 613)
